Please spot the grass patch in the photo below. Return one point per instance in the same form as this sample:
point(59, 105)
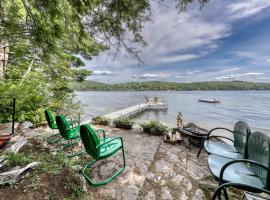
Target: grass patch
point(53, 178)
point(154, 127)
point(100, 120)
point(47, 162)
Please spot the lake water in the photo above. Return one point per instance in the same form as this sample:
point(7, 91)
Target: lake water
point(250, 106)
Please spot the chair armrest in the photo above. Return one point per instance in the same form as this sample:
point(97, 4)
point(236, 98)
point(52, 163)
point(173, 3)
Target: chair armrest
point(103, 132)
point(108, 141)
point(242, 186)
point(218, 128)
point(238, 161)
point(208, 136)
point(219, 136)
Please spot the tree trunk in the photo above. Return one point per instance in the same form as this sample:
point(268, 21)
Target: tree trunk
point(4, 50)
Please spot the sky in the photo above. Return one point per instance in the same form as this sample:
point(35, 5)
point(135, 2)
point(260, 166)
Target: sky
point(224, 41)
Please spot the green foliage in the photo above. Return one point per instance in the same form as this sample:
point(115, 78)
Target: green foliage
point(100, 120)
point(47, 162)
point(154, 127)
point(123, 120)
point(164, 86)
point(43, 37)
point(74, 188)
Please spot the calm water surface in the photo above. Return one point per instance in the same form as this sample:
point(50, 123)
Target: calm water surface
point(250, 106)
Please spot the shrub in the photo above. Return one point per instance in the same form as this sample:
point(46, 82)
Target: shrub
point(123, 122)
point(154, 127)
point(100, 120)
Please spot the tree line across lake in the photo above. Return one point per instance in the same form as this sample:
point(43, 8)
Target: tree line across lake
point(163, 86)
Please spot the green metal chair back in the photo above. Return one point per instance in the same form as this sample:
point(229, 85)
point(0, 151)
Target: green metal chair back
point(50, 119)
point(63, 126)
point(259, 151)
point(241, 135)
point(90, 140)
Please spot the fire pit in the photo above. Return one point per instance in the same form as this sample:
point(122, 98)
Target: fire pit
point(193, 133)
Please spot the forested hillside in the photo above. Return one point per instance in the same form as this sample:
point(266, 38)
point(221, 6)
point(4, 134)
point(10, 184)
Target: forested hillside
point(158, 86)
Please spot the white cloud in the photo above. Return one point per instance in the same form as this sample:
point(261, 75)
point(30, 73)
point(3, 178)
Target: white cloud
point(177, 58)
point(267, 60)
point(149, 76)
point(230, 69)
point(247, 8)
point(102, 73)
point(239, 76)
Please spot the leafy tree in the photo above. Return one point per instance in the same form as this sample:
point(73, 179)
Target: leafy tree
point(44, 38)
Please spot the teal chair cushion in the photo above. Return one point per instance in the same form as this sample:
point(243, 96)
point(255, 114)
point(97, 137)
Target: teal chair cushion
point(110, 148)
point(222, 149)
point(237, 173)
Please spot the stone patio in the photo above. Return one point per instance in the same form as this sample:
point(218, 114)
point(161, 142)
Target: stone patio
point(154, 169)
point(157, 170)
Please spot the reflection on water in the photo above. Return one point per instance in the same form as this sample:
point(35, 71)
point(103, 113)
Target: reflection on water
point(250, 106)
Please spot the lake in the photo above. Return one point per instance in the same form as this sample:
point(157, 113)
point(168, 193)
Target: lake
point(249, 106)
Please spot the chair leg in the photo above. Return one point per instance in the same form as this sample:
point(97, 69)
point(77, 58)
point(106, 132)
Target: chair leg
point(218, 192)
point(96, 184)
point(51, 139)
point(225, 194)
point(69, 144)
point(199, 152)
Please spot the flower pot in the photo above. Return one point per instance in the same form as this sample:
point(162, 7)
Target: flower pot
point(103, 123)
point(123, 126)
point(147, 130)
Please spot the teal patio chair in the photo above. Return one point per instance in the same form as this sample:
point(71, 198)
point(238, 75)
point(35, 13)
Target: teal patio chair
point(246, 174)
point(241, 133)
point(100, 149)
point(70, 133)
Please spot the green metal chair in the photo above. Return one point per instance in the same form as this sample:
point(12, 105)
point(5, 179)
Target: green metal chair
point(69, 133)
point(252, 172)
point(56, 137)
point(241, 133)
point(100, 149)
point(52, 124)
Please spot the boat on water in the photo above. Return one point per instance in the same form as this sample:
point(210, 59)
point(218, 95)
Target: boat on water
point(209, 100)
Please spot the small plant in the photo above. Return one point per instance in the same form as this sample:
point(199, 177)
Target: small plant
point(123, 122)
point(154, 127)
point(74, 188)
point(100, 120)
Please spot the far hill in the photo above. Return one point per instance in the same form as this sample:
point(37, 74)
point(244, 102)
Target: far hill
point(163, 86)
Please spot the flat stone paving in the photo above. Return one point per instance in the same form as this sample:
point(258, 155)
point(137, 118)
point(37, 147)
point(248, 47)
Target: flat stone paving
point(157, 170)
point(140, 150)
point(154, 170)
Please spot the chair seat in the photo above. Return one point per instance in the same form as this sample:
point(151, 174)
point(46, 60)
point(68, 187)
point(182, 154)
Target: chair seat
point(237, 173)
point(110, 148)
point(222, 149)
point(54, 126)
point(75, 133)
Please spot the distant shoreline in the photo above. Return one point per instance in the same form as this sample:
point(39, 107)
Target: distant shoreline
point(170, 86)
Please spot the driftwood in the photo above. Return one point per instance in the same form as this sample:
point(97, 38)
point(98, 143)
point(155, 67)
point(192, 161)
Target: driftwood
point(173, 137)
point(11, 177)
point(21, 141)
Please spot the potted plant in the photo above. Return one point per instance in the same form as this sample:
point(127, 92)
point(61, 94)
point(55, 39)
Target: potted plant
point(154, 127)
point(123, 122)
point(100, 120)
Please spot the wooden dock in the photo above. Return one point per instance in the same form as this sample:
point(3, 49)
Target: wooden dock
point(136, 109)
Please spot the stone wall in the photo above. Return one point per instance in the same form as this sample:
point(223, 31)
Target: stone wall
point(3, 59)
